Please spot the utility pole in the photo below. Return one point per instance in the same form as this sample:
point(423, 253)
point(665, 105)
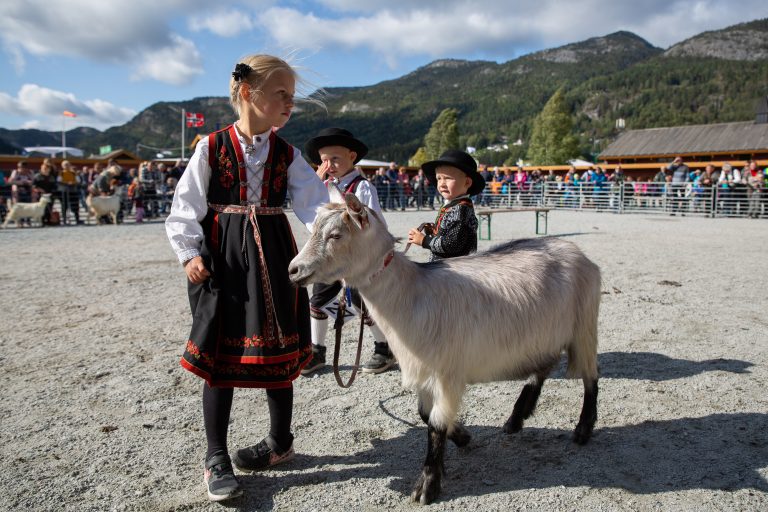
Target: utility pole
point(183, 128)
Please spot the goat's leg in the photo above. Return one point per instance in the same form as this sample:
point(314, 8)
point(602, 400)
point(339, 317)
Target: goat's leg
point(458, 434)
point(588, 415)
point(526, 403)
point(428, 485)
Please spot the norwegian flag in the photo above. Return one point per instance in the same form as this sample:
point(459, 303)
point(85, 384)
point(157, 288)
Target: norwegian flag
point(195, 120)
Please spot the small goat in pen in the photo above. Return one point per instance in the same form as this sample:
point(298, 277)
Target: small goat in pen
point(99, 206)
point(504, 314)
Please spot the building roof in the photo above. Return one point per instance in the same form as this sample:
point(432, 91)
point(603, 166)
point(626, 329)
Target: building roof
point(704, 138)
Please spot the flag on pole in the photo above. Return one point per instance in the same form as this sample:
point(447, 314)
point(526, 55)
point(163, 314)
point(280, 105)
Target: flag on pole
point(69, 114)
point(195, 119)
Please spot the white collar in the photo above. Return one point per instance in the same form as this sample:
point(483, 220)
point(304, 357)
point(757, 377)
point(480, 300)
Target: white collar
point(345, 180)
point(256, 141)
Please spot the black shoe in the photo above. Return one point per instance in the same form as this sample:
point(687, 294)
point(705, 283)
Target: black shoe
point(317, 361)
point(381, 360)
point(263, 455)
point(220, 480)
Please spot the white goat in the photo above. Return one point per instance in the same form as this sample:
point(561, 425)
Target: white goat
point(33, 211)
point(98, 206)
point(504, 314)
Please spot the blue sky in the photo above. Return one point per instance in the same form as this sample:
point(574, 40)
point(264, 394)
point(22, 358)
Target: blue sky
point(108, 60)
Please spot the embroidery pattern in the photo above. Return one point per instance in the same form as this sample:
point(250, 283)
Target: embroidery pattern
point(226, 178)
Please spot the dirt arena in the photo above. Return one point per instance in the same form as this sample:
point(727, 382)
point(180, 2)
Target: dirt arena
point(98, 415)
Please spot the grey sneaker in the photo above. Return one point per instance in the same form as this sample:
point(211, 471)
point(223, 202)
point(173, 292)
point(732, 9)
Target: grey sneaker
point(381, 360)
point(317, 361)
point(220, 480)
point(261, 456)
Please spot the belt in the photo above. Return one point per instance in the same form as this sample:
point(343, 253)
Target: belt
point(249, 213)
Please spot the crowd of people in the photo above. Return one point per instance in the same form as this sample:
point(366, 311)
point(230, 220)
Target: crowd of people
point(145, 190)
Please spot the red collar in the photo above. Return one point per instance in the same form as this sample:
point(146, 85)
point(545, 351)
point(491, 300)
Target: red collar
point(387, 260)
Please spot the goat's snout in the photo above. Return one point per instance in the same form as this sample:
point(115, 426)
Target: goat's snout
point(297, 273)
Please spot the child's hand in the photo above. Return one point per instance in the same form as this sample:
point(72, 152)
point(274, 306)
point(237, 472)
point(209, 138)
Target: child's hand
point(322, 170)
point(196, 271)
point(415, 237)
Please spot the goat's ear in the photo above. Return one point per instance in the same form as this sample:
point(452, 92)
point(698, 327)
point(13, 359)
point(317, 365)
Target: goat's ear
point(335, 194)
point(356, 211)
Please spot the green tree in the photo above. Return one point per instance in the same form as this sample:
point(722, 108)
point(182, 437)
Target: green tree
point(552, 138)
point(443, 135)
point(418, 158)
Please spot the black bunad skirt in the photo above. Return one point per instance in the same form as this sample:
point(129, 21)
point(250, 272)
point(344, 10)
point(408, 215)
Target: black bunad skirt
point(250, 325)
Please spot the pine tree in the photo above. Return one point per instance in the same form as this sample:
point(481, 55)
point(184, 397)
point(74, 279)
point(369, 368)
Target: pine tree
point(552, 138)
point(418, 158)
point(443, 135)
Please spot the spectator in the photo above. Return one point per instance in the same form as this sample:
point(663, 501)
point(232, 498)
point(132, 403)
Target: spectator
point(136, 195)
point(404, 186)
point(521, 185)
point(395, 188)
point(419, 187)
point(725, 189)
point(484, 198)
point(44, 182)
point(753, 181)
point(21, 184)
point(69, 184)
point(381, 183)
point(599, 184)
point(680, 177)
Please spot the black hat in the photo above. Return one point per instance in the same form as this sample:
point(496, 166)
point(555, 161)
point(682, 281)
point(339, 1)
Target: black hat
point(461, 161)
point(334, 137)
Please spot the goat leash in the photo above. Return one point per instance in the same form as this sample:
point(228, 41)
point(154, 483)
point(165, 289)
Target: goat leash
point(425, 227)
point(337, 347)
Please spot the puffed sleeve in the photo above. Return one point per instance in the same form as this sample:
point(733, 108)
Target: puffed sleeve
point(306, 189)
point(367, 195)
point(190, 205)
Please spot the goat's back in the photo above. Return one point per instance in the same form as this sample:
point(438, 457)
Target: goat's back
point(509, 309)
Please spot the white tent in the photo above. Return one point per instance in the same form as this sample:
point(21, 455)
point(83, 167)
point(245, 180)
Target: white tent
point(372, 163)
point(54, 150)
point(578, 162)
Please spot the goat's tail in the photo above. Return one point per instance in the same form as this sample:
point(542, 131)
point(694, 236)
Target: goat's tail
point(582, 351)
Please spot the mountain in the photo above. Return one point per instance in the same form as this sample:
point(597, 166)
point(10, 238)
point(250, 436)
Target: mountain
point(712, 77)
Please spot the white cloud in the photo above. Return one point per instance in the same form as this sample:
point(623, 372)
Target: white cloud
point(130, 32)
point(45, 107)
point(176, 64)
point(222, 23)
point(451, 28)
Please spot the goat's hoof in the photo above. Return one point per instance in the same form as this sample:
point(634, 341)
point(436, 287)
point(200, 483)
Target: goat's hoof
point(427, 487)
point(582, 434)
point(460, 436)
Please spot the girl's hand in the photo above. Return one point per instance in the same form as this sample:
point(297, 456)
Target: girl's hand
point(415, 237)
point(196, 271)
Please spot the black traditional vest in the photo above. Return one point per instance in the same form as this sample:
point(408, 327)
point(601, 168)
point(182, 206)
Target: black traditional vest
point(229, 185)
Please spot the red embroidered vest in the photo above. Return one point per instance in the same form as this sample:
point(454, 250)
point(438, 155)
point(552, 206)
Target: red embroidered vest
point(229, 174)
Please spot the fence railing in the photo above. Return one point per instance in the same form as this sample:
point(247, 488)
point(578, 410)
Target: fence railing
point(632, 197)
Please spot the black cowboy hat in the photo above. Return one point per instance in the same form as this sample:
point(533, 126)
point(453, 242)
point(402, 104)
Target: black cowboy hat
point(462, 162)
point(334, 137)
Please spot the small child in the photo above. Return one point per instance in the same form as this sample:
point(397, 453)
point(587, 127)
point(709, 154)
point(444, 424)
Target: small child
point(455, 231)
point(336, 151)
point(250, 325)
point(136, 194)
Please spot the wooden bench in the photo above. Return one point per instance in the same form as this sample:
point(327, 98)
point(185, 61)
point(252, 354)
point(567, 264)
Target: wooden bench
point(484, 217)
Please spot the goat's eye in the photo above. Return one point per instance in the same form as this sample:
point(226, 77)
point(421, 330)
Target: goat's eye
point(333, 236)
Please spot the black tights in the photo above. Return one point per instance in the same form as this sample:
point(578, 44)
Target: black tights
point(217, 404)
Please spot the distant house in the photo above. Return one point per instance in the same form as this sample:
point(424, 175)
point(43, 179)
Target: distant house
point(710, 142)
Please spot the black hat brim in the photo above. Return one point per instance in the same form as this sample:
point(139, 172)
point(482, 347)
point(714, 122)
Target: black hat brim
point(478, 182)
point(314, 145)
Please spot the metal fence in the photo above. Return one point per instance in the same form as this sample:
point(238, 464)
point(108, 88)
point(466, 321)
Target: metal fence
point(631, 197)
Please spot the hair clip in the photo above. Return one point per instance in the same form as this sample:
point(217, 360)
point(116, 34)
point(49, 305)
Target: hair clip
point(241, 71)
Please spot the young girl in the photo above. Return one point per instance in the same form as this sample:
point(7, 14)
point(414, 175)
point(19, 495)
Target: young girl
point(250, 326)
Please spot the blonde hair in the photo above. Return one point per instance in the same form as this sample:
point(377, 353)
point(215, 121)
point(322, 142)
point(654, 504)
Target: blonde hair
point(262, 68)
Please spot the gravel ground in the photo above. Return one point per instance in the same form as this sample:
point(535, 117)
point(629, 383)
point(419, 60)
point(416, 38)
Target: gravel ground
point(98, 414)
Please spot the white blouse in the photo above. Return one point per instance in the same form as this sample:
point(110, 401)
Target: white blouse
point(190, 204)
